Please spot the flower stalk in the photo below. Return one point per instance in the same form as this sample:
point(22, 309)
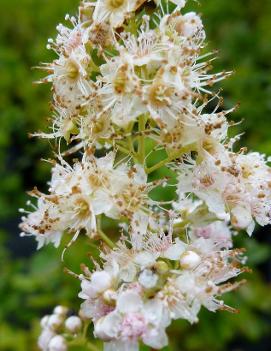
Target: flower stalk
point(141, 139)
point(105, 238)
point(171, 157)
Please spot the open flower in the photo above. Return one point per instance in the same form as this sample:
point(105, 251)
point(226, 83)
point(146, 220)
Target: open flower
point(120, 91)
point(80, 193)
point(231, 183)
point(69, 73)
point(114, 10)
point(143, 286)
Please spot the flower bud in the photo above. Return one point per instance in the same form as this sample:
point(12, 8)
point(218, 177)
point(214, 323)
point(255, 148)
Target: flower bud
point(57, 343)
point(44, 321)
point(55, 321)
point(61, 310)
point(189, 260)
point(148, 279)
point(73, 324)
point(44, 338)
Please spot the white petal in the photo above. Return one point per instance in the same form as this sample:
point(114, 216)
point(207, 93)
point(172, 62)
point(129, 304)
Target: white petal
point(121, 346)
point(156, 314)
point(101, 202)
point(144, 259)
point(139, 226)
point(101, 281)
point(128, 302)
point(107, 328)
point(175, 251)
point(127, 273)
point(241, 218)
point(156, 338)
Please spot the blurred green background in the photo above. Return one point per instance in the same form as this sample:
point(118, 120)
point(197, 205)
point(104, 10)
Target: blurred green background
point(32, 283)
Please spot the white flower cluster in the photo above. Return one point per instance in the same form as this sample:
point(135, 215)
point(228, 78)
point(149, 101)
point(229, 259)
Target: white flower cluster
point(132, 80)
point(145, 284)
point(79, 194)
point(156, 71)
point(232, 185)
point(57, 328)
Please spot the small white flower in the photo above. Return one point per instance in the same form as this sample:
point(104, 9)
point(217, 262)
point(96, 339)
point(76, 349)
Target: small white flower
point(167, 96)
point(120, 91)
point(218, 231)
point(233, 183)
point(114, 10)
point(189, 24)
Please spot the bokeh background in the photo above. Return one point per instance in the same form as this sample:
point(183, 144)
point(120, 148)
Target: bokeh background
point(31, 282)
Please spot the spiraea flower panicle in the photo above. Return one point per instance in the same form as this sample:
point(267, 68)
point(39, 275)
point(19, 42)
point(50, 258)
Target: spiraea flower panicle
point(132, 94)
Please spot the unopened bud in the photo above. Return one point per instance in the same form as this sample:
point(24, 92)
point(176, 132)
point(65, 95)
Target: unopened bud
point(61, 310)
point(57, 343)
point(73, 324)
point(55, 321)
point(148, 279)
point(44, 321)
point(189, 260)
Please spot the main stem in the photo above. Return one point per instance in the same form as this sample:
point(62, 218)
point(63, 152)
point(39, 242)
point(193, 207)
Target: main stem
point(102, 235)
point(105, 238)
point(141, 139)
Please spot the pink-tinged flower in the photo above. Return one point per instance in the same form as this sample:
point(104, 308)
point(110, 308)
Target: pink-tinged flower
point(133, 320)
point(133, 326)
point(218, 231)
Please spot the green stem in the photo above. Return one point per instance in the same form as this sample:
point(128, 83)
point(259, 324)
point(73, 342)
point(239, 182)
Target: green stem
point(127, 152)
point(102, 235)
point(83, 342)
point(130, 138)
point(181, 225)
point(170, 158)
point(105, 238)
point(141, 139)
point(85, 329)
point(122, 149)
point(92, 347)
